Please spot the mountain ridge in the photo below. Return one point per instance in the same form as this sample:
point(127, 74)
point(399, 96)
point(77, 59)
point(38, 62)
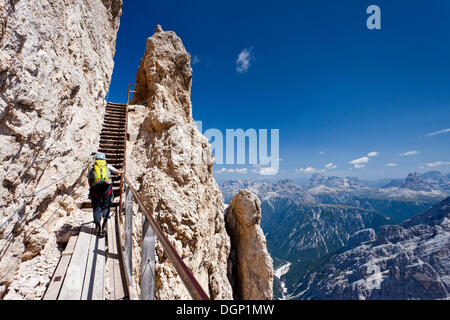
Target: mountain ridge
point(326, 217)
point(406, 261)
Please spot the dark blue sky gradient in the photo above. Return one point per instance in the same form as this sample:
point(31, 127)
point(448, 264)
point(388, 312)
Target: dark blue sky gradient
point(318, 74)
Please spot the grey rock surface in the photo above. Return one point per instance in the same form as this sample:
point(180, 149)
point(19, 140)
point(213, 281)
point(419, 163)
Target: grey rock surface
point(407, 261)
point(56, 61)
point(250, 266)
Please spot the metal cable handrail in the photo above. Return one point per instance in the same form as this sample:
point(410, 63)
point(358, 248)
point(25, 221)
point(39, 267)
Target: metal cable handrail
point(186, 275)
point(30, 197)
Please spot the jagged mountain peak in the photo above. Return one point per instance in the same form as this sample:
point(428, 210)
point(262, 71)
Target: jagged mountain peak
point(433, 183)
point(285, 188)
point(407, 261)
point(432, 216)
point(318, 180)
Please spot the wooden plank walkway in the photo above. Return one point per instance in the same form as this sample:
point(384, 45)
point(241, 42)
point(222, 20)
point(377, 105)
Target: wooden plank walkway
point(80, 272)
point(87, 258)
point(114, 265)
point(60, 273)
point(94, 286)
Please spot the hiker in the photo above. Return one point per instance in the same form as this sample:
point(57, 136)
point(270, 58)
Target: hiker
point(100, 192)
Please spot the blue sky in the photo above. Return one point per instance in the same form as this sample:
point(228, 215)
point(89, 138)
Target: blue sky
point(336, 90)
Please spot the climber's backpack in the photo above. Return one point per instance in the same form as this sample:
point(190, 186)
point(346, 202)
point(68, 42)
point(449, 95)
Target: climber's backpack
point(101, 173)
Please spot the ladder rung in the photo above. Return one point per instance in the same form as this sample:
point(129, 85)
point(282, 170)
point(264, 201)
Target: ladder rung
point(113, 122)
point(111, 150)
point(121, 129)
point(104, 146)
point(104, 136)
point(115, 104)
point(118, 111)
point(110, 127)
point(114, 156)
point(113, 133)
point(114, 118)
point(117, 138)
point(112, 162)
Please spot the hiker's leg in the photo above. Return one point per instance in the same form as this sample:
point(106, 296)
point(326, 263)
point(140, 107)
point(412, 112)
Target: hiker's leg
point(109, 200)
point(106, 202)
point(106, 205)
point(96, 208)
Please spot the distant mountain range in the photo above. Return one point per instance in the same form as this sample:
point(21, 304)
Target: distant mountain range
point(430, 185)
point(266, 190)
point(306, 225)
point(406, 261)
point(428, 181)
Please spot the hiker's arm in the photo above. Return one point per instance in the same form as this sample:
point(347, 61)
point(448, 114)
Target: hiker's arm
point(114, 170)
point(89, 176)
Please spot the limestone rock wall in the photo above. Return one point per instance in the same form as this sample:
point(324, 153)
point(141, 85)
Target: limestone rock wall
point(56, 61)
point(171, 163)
point(250, 265)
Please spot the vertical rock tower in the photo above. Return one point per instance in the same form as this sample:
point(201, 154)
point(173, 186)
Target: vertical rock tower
point(251, 267)
point(171, 161)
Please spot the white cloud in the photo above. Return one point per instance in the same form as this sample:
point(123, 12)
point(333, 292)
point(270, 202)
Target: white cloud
point(268, 171)
point(242, 170)
point(410, 153)
point(195, 59)
point(330, 166)
point(321, 153)
point(359, 161)
point(309, 170)
point(439, 132)
point(391, 165)
point(244, 59)
point(437, 163)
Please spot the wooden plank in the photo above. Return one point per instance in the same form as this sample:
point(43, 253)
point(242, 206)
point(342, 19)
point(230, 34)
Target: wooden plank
point(93, 286)
point(148, 263)
point(73, 282)
point(98, 292)
point(60, 272)
point(57, 280)
point(87, 274)
point(110, 256)
point(114, 264)
point(128, 232)
point(119, 275)
point(70, 247)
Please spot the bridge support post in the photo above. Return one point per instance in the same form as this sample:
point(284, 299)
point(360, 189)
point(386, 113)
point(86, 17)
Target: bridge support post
point(148, 263)
point(128, 237)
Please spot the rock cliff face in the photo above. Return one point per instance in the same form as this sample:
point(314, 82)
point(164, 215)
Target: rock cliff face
point(171, 163)
point(56, 61)
point(251, 267)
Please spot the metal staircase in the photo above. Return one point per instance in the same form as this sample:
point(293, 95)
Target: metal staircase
point(113, 145)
